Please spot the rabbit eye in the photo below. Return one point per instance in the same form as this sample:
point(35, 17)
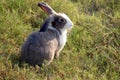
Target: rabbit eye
point(61, 20)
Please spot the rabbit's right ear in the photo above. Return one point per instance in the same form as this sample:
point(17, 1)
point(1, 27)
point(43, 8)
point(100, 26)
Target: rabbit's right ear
point(45, 25)
point(45, 7)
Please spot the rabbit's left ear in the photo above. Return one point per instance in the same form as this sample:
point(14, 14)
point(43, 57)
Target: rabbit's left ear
point(45, 7)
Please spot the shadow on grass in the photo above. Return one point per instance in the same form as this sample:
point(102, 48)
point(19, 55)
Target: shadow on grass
point(14, 58)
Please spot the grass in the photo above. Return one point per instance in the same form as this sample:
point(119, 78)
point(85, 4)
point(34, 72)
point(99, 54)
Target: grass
point(92, 51)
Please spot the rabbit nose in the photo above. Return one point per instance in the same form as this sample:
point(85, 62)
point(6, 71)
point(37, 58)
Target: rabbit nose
point(71, 24)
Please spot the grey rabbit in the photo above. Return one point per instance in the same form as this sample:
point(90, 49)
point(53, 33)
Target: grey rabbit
point(46, 44)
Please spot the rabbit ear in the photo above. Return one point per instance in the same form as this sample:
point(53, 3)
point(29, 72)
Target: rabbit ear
point(45, 25)
point(45, 7)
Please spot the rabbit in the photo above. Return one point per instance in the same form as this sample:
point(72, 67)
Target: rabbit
point(46, 44)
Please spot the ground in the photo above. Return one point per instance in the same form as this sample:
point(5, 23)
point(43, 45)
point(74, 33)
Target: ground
point(92, 51)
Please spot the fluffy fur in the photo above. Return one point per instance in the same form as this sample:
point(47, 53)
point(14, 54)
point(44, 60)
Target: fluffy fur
point(48, 42)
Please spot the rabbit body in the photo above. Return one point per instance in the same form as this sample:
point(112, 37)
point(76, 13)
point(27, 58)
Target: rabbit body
point(40, 46)
point(48, 42)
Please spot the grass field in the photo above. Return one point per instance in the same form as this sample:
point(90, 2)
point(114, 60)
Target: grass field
point(92, 51)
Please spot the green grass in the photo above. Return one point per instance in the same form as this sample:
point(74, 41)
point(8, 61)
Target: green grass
point(92, 51)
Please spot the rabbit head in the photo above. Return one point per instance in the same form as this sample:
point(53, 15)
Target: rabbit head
point(59, 21)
